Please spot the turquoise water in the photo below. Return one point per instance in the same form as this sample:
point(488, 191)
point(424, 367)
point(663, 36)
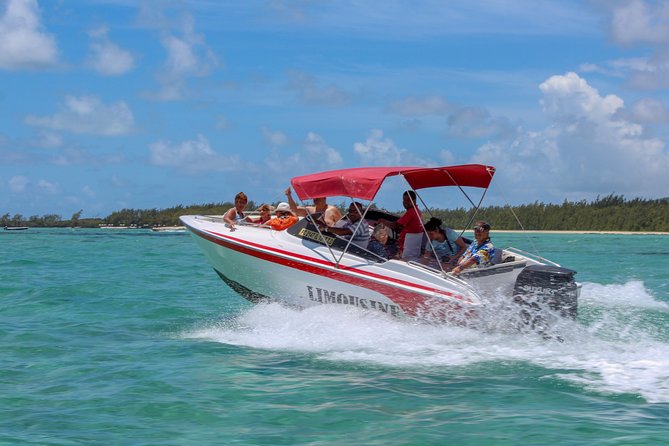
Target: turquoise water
point(129, 338)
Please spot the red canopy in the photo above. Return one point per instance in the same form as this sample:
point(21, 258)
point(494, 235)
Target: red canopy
point(364, 182)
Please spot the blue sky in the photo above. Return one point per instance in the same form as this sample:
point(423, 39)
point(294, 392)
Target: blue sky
point(108, 104)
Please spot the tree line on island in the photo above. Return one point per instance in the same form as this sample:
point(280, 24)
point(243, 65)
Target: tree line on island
point(610, 213)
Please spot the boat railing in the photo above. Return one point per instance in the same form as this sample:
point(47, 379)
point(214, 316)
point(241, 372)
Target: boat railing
point(530, 256)
point(219, 219)
point(211, 218)
point(446, 275)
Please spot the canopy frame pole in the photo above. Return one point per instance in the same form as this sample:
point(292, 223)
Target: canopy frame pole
point(434, 252)
point(325, 242)
point(350, 240)
point(475, 206)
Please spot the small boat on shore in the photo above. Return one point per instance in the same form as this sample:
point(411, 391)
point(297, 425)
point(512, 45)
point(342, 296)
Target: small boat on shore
point(305, 265)
point(16, 228)
point(168, 229)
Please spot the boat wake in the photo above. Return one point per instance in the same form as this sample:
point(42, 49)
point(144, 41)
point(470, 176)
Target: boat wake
point(618, 345)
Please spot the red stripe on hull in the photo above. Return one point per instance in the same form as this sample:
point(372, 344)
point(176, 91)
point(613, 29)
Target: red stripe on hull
point(414, 304)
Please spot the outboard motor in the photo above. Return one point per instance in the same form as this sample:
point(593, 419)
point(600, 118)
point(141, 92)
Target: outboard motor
point(545, 287)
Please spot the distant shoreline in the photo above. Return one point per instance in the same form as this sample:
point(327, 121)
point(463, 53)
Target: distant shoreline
point(493, 231)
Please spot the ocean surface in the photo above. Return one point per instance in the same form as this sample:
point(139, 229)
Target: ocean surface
point(128, 337)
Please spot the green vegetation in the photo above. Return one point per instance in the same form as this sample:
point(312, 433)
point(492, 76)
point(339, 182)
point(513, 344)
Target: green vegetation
point(611, 213)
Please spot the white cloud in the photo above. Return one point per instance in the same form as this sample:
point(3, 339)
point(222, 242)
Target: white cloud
point(638, 21)
point(117, 182)
point(644, 24)
point(222, 123)
point(318, 149)
point(106, 57)
point(191, 157)
point(475, 122)
point(647, 110)
point(18, 183)
point(311, 92)
point(73, 155)
point(48, 187)
point(88, 191)
point(569, 96)
point(430, 105)
point(431, 18)
point(462, 121)
point(48, 140)
point(87, 114)
point(314, 155)
point(446, 157)
point(23, 43)
point(274, 138)
point(380, 151)
point(589, 148)
point(188, 55)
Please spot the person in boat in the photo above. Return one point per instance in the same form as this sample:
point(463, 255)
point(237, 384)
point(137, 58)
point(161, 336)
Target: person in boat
point(284, 218)
point(328, 214)
point(480, 253)
point(265, 211)
point(411, 228)
point(379, 240)
point(236, 214)
point(446, 243)
point(354, 228)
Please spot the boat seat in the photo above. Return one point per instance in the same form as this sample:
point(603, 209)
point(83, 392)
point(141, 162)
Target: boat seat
point(497, 257)
point(494, 269)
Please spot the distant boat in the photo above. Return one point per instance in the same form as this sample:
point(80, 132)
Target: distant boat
point(169, 229)
point(15, 228)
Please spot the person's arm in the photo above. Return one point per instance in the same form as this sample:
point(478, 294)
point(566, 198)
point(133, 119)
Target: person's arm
point(464, 264)
point(468, 259)
point(297, 210)
point(228, 217)
point(462, 247)
point(346, 231)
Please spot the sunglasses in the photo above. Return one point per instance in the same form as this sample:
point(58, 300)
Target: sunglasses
point(481, 228)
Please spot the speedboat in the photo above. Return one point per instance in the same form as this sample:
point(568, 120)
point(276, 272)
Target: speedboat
point(305, 265)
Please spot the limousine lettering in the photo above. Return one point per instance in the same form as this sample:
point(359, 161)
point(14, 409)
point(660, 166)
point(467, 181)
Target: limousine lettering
point(333, 297)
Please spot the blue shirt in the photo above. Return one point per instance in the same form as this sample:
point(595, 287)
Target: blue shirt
point(378, 248)
point(483, 254)
point(448, 247)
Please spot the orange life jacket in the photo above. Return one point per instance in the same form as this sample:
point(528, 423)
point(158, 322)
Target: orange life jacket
point(281, 223)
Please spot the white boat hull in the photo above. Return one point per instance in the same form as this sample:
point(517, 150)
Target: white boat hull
point(263, 264)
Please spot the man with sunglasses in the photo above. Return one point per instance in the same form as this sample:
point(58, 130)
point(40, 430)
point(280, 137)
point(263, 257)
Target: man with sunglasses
point(481, 252)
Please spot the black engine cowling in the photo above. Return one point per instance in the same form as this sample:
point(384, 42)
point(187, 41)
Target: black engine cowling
point(546, 286)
